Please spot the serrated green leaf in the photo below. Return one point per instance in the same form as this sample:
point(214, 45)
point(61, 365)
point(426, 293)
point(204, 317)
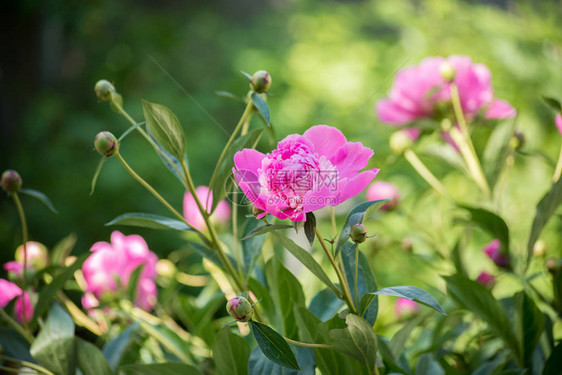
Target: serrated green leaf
point(258, 230)
point(165, 127)
point(358, 341)
point(169, 368)
point(96, 174)
point(143, 220)
point(90, 359)
point(412, 293)
point(42, 197)
point(230, 353)
point(261, 106)
point(491, 223)
point(306, 259)
point(273, 345)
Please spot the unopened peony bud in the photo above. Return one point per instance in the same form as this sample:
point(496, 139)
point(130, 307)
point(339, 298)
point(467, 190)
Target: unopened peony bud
point(358, 233)
point(539, 249)
point(260, 82)
point(106, 144)
point(447, 71)
point(37, 255)
point(104, 90)
point(240, 309)
point(400, 141)
point(493, 251)
point(11, 181)
point(486, 279)
point(165, 268)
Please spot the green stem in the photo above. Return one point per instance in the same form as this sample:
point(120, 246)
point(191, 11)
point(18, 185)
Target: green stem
point(558, 169)
point(237, 250)
point(355, 277)
point(24, 239)
point(27, 364)
point(11, 322)
point(345, 293)
point(465, 145)
point(308, 345)
point(333, 219)
point(425, 173)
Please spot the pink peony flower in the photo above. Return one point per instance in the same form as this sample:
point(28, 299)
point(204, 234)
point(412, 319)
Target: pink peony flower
point(9, 291)
point(486, 279)
point(418, 91)
point(384, 190)
point(558, 121)
point(14, 268)
point(110, 266)
point(492, 250)
point(405, 307)
point(304, 173)
point(193, 215)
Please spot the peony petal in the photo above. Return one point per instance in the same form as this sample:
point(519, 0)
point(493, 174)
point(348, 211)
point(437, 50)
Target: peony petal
point(248, 159)
point(558, 121)
point(350, 158)
point(500, 110)
point(325, 139)
point(393, 113)
point(8, 291)
point(356, 184)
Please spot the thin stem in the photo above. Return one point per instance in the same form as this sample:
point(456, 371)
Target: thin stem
point(465, 143)
point(343, 283)
point(308, 345)
point(24, 239)
point(333, 219)
point(79, 317)
point(355, 277)
point(424, 172)
point(558, 169)
point(27, 364)
point(237, 250)
point(11, 322)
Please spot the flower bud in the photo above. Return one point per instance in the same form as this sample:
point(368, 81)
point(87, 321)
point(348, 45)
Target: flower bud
point(400, 141)
point(539, 249)
point(11, 181)
point(36, 254)
point(486, 279)
point(404, 307)
point(518, 140)
point(553, 265)
point(104, 89)
point(165, 268)
point(240, 309)
point(447, 71)
point(358, 233)
point(106, 144)
point(260, 82)
point(493, 251)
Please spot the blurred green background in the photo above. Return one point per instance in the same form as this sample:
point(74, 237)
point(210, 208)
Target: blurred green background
point(330, 61)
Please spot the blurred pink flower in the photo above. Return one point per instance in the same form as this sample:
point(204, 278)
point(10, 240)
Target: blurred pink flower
point(110, 266)
point(492, 250)
point(558, 121)
point(9, 291)
point(304, 173)
point(486, 279)
point(193, 215)
point(384, 190)
point(418, 90)
point(404, 307)
point(14, 268)
point(37, 255)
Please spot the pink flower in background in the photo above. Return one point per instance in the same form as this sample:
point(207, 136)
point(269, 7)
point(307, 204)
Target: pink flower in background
point(14, 269)
point(492, 250)
point(110, 266)
point(191, 211)
point(418, 90)
point(558, 121)
point(404, 307)
point(9, 291)
point(486, 279)
point(384, 190)
point(304, 173)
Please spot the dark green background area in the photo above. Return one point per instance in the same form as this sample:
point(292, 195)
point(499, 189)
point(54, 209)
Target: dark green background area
point(330, 61)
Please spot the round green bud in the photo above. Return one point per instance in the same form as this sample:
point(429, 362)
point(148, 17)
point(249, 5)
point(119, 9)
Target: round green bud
point(240, 309)
point(358, 233)
point(106, 144)
point(260, 82)
point(400, 141)
point(11, 181)
point(103, 90)
point(447, 71)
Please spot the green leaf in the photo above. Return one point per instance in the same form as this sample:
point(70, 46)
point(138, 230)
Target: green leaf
point(251, 247)
point(400, 338)
point(264, 298)
point(258, 230)
point(412, 293)
point(231, 353)
point(306, 259)
point(273, 345)
point(491, 223)
point(457, 259)
point(209, 254)
point(325, 304)
point(222, 181)
point(554, 362)
point(54, 348)
point(42, 197)
point(62, 249)
point(357, 215)
point(310, 227)
point(358, 341)
point(165, 128)
point(531, 325)
point(168, 338)
point(96, 174)
point(90, 359)
point(169, 368)
point(476, 298)
point(48, 293)
point(143, 220)
point(546, 207)
point(131, 291)
point(497, 150)
point(553, 103)
point(427, 365)
point(261, 106)
point(175, 166)
point(114, 349)
point(259, 364)
point(230, 95)
point(14, 345)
